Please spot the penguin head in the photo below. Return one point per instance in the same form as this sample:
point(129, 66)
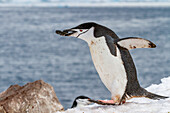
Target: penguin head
point(81, 101)
point(83, 31)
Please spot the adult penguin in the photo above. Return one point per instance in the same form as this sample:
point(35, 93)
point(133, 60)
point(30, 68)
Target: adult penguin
point(112, 60)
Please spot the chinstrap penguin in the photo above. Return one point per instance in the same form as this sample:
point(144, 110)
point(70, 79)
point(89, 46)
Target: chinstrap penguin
point(82, 101)
point(112, 60)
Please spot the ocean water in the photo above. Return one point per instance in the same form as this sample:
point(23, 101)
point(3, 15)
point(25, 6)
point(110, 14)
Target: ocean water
point(30, 50)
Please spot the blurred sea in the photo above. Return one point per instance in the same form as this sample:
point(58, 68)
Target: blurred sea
point(30, 49)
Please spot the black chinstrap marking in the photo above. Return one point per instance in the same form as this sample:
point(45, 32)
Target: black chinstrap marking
point(82, 33)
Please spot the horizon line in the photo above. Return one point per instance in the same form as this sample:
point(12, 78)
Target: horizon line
point(112, 4)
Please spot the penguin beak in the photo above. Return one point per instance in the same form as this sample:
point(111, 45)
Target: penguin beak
point(67, 32)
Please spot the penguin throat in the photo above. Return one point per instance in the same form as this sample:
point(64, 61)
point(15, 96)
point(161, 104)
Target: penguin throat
point(87, 36)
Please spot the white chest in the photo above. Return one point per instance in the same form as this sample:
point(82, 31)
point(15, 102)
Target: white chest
point(109, 67)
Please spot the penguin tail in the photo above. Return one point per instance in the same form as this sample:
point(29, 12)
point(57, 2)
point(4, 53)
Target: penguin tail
point(154, 96)
point(141, 92)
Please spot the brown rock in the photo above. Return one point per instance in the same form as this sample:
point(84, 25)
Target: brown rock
point(35, 97)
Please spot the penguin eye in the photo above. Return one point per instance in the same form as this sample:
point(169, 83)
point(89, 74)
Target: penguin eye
point(81, 30)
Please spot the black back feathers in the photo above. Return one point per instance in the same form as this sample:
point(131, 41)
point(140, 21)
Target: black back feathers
point(87, 25)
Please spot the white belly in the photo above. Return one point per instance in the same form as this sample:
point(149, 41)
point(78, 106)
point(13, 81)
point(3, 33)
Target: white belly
point(109, 67)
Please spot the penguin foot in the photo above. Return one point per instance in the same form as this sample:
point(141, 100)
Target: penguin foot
point(110, 102)
point(107, 101)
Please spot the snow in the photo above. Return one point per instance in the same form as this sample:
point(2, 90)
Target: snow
point(135, 105)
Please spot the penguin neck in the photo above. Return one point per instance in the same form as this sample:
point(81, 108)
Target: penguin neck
point(98, 44)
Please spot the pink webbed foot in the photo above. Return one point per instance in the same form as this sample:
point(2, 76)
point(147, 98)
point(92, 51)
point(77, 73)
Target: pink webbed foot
point(107, 101)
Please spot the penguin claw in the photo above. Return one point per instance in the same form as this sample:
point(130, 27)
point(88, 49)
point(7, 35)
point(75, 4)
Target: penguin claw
point(122, 102)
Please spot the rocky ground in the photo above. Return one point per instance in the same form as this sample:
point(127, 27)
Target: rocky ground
point(35, 97)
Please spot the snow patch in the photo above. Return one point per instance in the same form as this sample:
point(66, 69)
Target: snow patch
point(135, 105)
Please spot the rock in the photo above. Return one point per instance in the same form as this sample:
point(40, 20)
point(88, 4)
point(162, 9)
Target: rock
point(35, 97)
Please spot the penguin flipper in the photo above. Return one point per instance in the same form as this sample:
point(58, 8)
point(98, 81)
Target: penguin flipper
point(110, 43)
point(134, 42)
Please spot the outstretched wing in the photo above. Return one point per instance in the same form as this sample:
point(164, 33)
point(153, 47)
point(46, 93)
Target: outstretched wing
point(134, 42)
